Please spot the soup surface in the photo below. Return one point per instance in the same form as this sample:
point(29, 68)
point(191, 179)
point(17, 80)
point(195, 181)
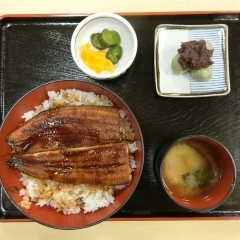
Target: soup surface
point(189, 169)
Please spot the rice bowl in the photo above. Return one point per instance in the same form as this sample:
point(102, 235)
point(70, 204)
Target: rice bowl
point(69, 198)
point(74, 220)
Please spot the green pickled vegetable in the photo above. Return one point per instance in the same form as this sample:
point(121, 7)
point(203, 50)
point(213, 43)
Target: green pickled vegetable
point(95, 41)
point(114, 54)
point(203, 74)
point(176, 67)
point(109, 38)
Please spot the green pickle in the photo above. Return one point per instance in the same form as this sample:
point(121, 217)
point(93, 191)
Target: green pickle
point(109, 38)
point(114, 54)
point(95, 41)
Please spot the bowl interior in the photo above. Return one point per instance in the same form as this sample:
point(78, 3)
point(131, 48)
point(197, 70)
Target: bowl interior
point(223, 188)
point(10, 178)
point(128, 42)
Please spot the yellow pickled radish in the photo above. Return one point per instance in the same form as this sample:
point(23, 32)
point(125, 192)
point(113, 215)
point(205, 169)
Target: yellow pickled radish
point(95, 60)
point(109, 66)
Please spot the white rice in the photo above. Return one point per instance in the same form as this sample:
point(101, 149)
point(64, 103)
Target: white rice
point(70, 198)
point(69, 97)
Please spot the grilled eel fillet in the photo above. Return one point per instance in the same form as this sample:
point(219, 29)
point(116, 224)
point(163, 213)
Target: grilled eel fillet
point(56, 141)
point(65, 127)
point(107, 164)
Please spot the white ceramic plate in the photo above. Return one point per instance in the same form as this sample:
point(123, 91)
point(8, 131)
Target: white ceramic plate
point(168, 39)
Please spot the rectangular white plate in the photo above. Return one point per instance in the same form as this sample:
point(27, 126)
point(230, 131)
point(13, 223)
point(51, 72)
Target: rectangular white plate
point(168, 39)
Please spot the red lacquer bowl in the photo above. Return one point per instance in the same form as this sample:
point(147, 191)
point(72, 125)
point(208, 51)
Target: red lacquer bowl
point(10, 178)
point(212, 197)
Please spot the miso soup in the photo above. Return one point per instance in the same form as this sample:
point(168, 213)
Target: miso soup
point(189, 169)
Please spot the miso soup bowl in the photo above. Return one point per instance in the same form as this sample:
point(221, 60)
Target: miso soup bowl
point(215, 194)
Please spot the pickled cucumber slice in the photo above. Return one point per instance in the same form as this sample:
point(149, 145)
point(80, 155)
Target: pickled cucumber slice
point(109, 38)
point(114, 54)
point(95, 41)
